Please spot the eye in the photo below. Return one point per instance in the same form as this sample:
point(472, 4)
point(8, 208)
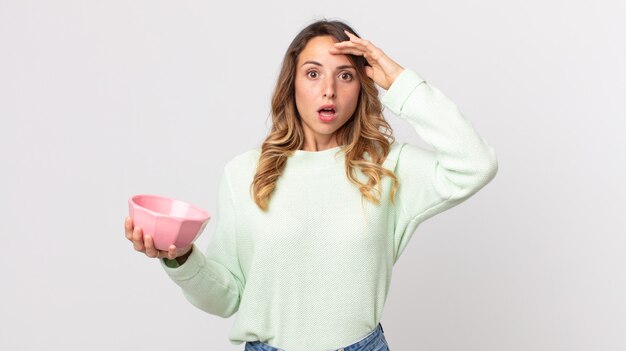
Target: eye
point(311, 72)
point(346, 76)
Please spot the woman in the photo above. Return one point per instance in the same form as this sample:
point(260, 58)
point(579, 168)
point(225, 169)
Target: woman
point(310, 269)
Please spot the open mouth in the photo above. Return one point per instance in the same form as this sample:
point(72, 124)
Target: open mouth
point(327, 114)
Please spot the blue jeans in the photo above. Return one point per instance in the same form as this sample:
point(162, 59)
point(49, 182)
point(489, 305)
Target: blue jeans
point(374, 341)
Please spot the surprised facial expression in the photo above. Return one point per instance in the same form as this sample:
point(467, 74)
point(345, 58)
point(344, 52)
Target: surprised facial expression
point(327, 91)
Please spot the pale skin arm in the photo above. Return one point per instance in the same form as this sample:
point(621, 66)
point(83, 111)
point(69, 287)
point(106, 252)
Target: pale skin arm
point(145, 244)
point(383, 70)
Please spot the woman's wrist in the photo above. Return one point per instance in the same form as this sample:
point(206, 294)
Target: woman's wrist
point(178, 261)
point(183, 258)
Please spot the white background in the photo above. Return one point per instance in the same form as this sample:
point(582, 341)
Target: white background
point(100, 100)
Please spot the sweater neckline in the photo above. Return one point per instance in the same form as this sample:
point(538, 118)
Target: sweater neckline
point(326, 157)
point(305, 153)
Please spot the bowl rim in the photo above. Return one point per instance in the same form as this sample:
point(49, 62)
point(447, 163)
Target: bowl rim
point(205, 214)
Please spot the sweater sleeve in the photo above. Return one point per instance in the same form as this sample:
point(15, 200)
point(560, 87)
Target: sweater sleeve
point(213, 281)
point(432, 181)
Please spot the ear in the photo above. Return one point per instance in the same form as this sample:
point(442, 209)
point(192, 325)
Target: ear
point(369, 71)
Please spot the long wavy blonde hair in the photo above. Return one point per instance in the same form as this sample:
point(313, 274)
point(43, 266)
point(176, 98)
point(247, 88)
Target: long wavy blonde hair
point(366, 131)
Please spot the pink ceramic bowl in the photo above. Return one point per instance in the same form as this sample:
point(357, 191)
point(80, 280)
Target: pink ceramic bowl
point(166, 220)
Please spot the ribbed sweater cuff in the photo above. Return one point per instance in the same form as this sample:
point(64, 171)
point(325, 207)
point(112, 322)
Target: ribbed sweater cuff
point(400, 90)
point(189, 269)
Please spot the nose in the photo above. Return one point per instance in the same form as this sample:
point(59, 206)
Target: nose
point(329, 87)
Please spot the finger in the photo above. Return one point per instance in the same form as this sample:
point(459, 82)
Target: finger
point(171, 252)
point(138, 239)
point(366, 45)
point(128, 228)
point(151, 251)
point(356, 39)
point(346, 50)
point(349, 47)
point(350, 44)
point(351, 51)
point(350, 35)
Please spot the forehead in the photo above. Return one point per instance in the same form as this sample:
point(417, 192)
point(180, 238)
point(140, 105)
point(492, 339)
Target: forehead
point(317, 50)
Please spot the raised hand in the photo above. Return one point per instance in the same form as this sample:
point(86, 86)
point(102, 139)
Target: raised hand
point(383, 69)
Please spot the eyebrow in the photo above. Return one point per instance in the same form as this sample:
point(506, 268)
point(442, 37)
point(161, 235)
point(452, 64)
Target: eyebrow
point(338, 67)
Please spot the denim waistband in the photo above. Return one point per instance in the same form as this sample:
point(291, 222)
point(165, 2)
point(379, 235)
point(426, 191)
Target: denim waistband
point(367, 343)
